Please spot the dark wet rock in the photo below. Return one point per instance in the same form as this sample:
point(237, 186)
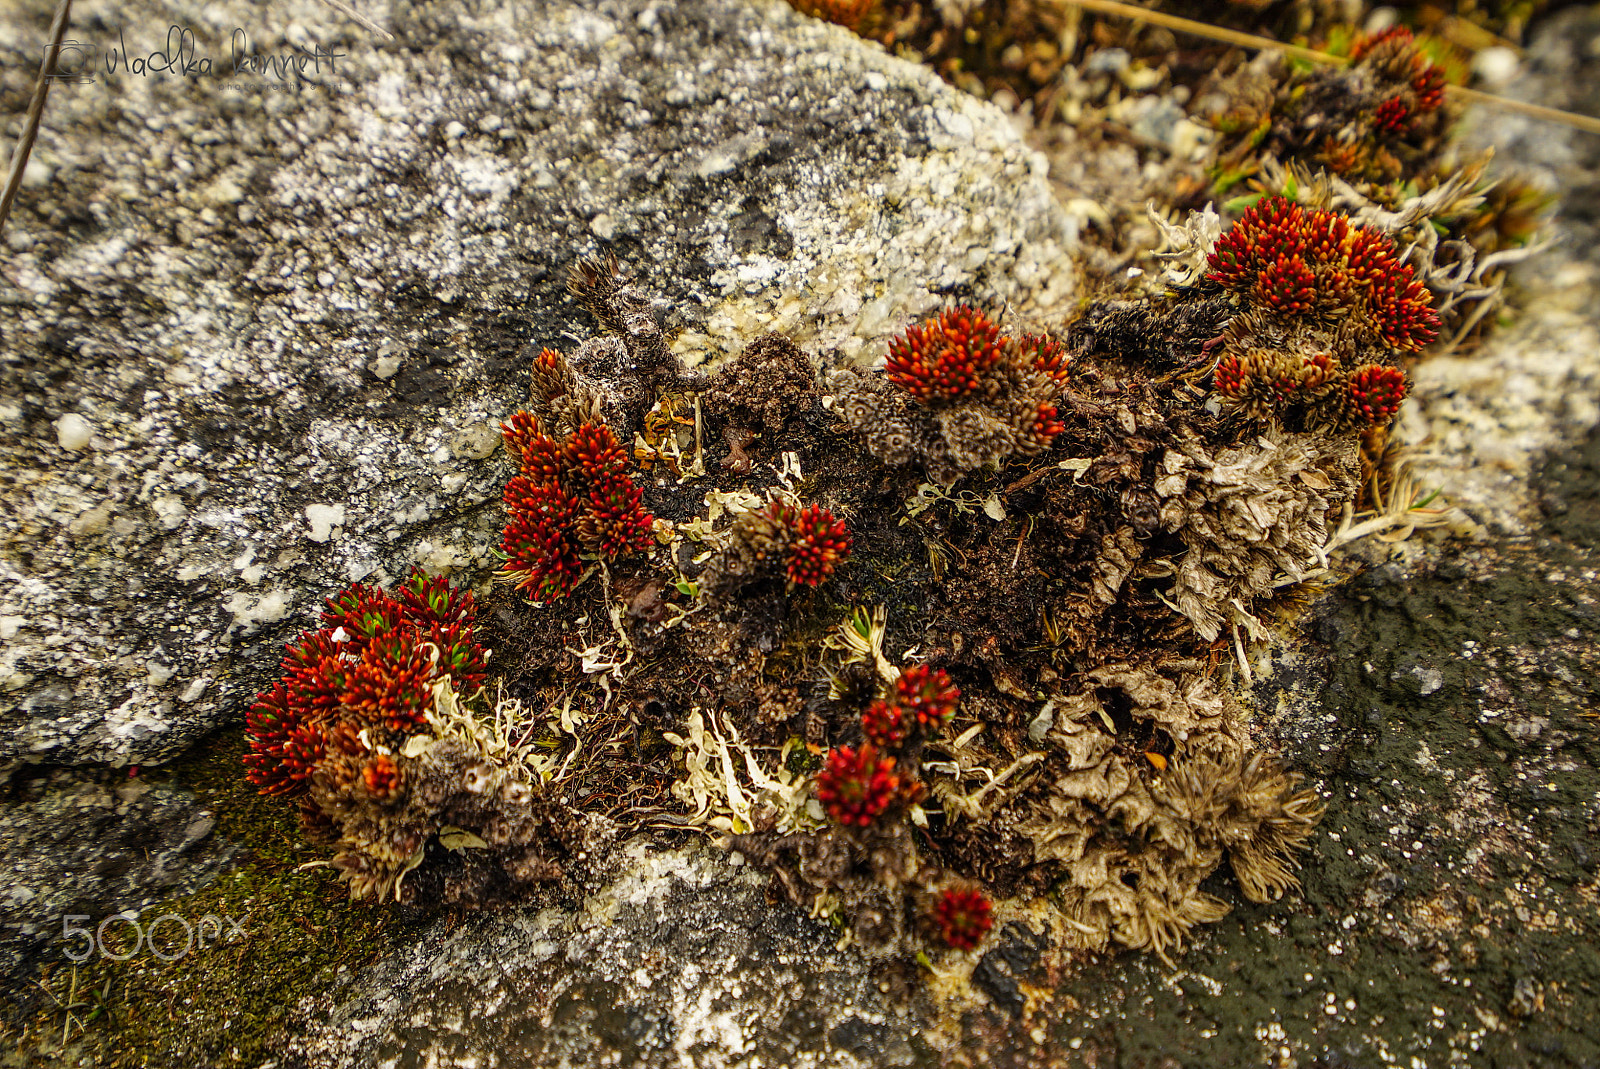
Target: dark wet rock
point(81, 847)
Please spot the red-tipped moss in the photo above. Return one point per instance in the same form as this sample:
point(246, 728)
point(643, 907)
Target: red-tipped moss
point(1376, 392)
point(570, 497)
point(1403, 310)
point(946, 359)
point(857, 785)
point(283, 749)
point(1298, 261)
point(821, 543)
point(519, 431)
point(1044, 354)
point(886, 724)
point(615, 524)
point(389, 686)
point(928, 694)
point(1392, 116)
point(1287, 286)
point(962, 917)
point(592, 453)
point(382, 778)
point(371, 670)
point(363, 612)
point(1232, 375)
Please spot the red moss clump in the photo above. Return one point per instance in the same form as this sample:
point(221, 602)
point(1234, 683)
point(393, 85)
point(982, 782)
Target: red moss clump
point(821, 543)
point(1376, 391)
point(371, 667)
point(569, 497)
point(885, 724)
point(1304, 261)
point(962, 917)
point(923, 699)
point(928, 694)
point(857, 785)
point(947, 358)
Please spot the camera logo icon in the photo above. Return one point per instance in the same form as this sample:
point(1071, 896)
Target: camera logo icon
point(74, 63)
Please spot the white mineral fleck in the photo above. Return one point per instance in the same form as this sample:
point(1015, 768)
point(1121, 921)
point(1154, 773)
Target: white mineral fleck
point(323, 519)
point(73, 431)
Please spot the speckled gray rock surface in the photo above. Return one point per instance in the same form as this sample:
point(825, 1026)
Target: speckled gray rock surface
point(258, 342)
point(673, 963)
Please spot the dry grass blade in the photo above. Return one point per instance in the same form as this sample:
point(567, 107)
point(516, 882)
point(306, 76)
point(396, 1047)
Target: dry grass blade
point(30, 125)
point(351, 13)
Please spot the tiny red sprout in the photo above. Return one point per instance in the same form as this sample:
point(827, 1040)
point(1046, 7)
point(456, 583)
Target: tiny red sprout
point(1046, 355)
point(1403, 309)
point(821, 543)
point(1288, 285)
point(1297, 261)
point(1231, 261)
point(284, 750)
point(615, 524)
point(947, 358)
point(1428, 84)
point(519, 431)
point(884, 724)
point(929, 694)
point(1392, 116)
point(1315, 370)
point(548, 360)
point(1232, 373)
point(1394, 36)
point(1341, 156)
point(594, 453)
point(1377, 391)
point(382, 777)
point(962, 917)
point(857, 785)
point(1045, 424)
